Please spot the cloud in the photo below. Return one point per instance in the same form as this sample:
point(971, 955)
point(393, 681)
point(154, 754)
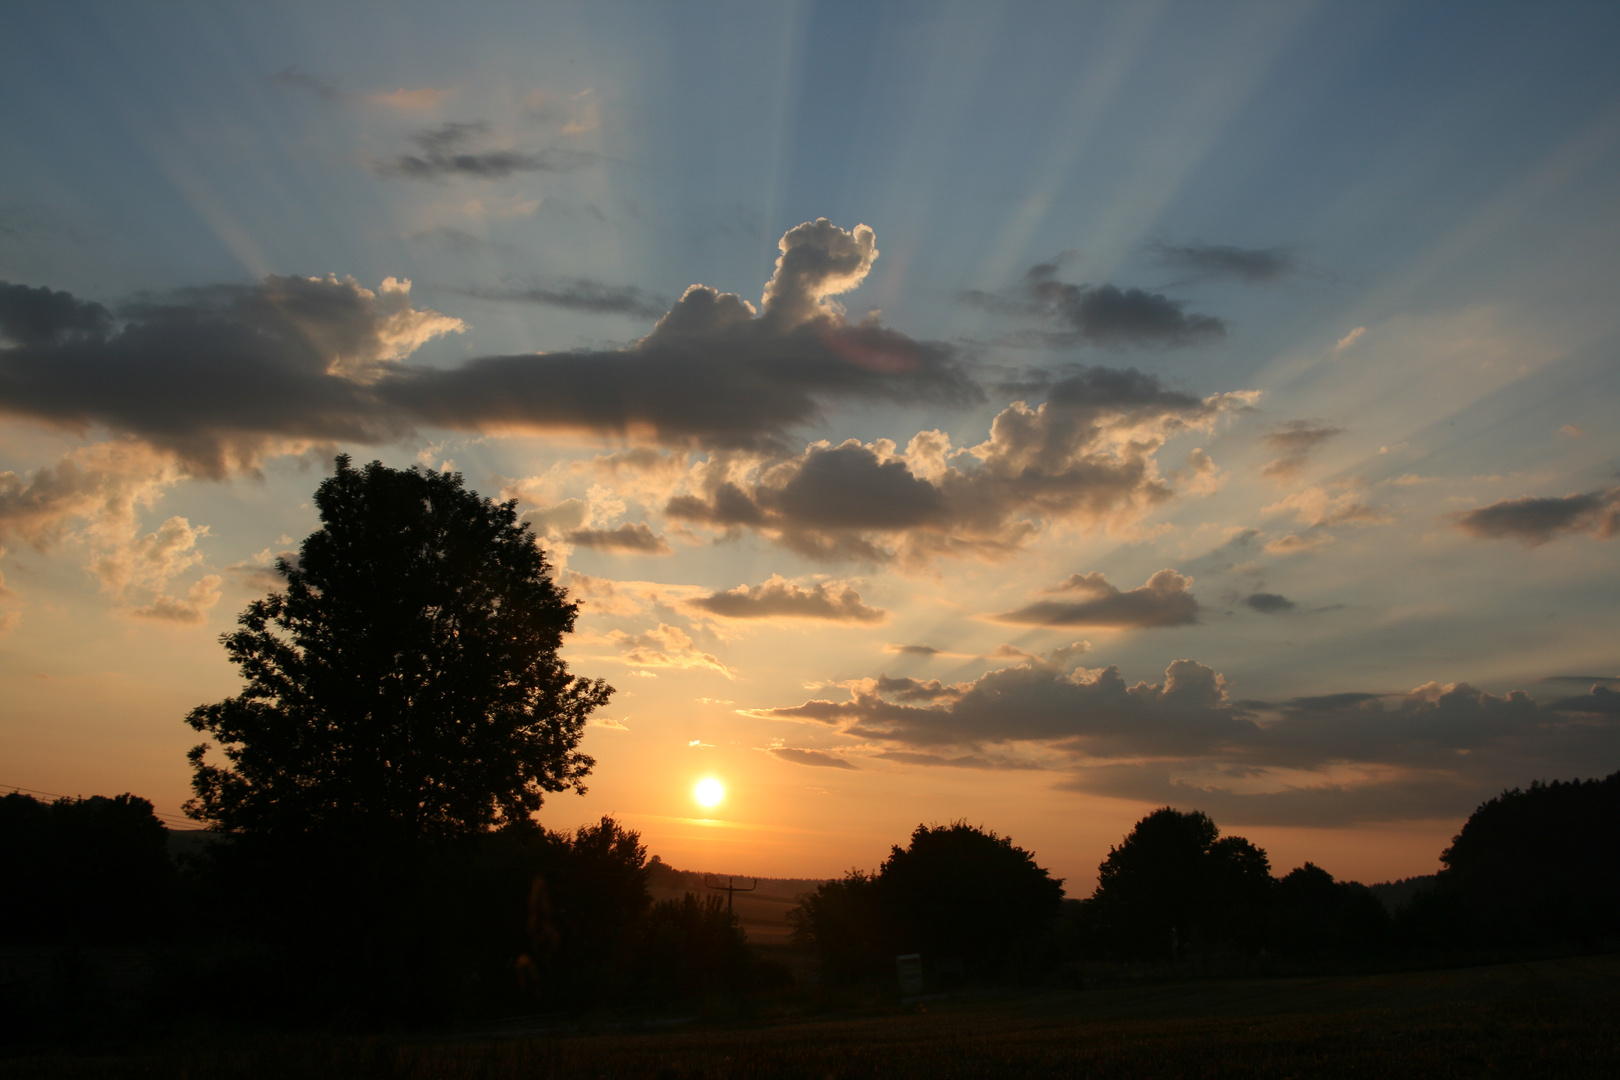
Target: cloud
point(1267, 603)
point(609, 723)
point(1332, 759)
point(1295, 440)
point(421, 99)
point(1101, 315)
point(1250, 265)
point(810, 757)
point(290, 76)
point(1535, 521)
point(38, 316)
point(460, 148)
point(214, 375)
point(1084, 456)
point(1294, 544)
point(635, 539)
point(1316, 507)
point(664, 647)
point(217, 374)
point(1166, 600)
point(9, 621)
point(779, 598)
point(201, 597)
point(1349, 339)
point(581, 294)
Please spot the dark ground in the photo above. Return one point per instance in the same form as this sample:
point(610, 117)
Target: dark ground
point(1556, 1017)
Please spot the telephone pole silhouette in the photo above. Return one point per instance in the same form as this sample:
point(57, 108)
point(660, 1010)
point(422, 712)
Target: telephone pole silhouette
point(730, 887)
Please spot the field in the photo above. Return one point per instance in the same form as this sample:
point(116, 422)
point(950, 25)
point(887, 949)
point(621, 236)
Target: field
point(1545, 1018)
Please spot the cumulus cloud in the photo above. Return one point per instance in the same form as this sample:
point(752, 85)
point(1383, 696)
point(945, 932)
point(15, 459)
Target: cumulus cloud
point(820, 758)
point(93, 499)
point(216, 374)
point(1535, 521)
point(1295, 440)
point(1267, 603)
point(1332, 759)
point(1251, 265)
point(463, 148)
point(194, 608)
point(1085, 456)
point(664, 647)
point(1100, 315)
point(1089, 600)
point(779, 598)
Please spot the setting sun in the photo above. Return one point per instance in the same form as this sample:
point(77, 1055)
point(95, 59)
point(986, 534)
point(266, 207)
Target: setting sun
point(709, 791)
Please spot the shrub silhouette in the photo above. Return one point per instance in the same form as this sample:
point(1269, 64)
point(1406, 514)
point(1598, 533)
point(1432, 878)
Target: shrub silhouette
point(93, 870)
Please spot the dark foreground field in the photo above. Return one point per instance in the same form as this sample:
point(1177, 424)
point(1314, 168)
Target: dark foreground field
point(1546, 1018)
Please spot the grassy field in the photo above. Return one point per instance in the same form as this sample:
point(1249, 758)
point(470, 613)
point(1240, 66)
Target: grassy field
point(1546, 1018)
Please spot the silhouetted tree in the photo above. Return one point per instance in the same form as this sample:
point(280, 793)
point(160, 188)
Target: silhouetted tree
point(94, 870)
point(1312, 913)
point(405, 686)
point(1533, 867)
point(1173, 885)
point(851, 926)
point(953, 891)
point(961, 891)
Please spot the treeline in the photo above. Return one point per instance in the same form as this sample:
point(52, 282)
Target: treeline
point(1531, 869)
point(314, 930)
point(525, 921)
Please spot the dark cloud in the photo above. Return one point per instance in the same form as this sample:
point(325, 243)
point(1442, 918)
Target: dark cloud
point(1602, 701)
point(1089, 600)
point(1086, 455)
point(1101, 315)
point(914, 650)
point(452, 149)
point(810, 757)
point(1331, 759)
point(581, 294)
point(1251, 265)
point(1268, 603)
point(290, 76)
point(38, 316)
point(1295, 440)
point(1535, 521)
point(779, 598)
point(216, 374)
point(958, 761)
point(635, 539)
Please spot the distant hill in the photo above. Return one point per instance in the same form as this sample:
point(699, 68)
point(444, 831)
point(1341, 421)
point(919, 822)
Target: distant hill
point(1395, 895)
point(762, 911)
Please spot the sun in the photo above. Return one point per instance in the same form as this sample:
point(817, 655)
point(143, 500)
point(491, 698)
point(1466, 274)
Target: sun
point(709, 791)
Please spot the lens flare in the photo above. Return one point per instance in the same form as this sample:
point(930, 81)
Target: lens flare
point(709, 791)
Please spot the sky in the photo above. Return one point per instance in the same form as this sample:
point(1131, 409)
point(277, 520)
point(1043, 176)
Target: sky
point(1023, 414)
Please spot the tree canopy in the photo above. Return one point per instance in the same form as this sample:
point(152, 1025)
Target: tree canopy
point(405, 684)
point(1175, 882)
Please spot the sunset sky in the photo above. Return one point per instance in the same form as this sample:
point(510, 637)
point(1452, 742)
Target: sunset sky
point(1027, 414)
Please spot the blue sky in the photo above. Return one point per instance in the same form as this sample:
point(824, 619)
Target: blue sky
point(1267, 350)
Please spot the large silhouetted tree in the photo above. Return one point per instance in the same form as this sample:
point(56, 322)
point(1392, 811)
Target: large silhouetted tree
point(405, 687)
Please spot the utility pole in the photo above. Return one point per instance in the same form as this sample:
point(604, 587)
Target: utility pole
point(730, 887)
